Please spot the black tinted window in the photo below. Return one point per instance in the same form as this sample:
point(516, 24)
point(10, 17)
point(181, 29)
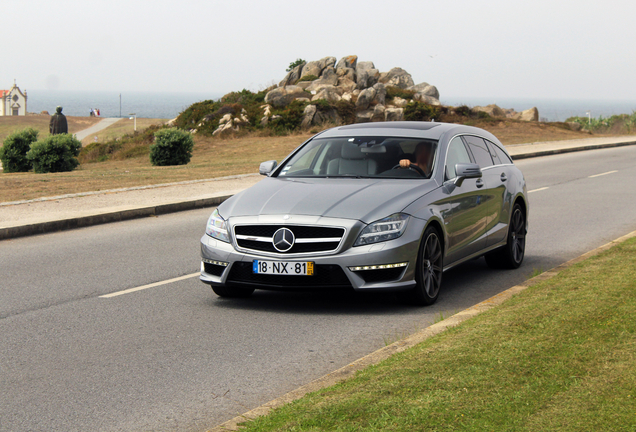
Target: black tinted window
point(503, 157)
point(479, 150)
point(495, 157)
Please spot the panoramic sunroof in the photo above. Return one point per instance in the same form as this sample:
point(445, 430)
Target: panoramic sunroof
point(392, 125)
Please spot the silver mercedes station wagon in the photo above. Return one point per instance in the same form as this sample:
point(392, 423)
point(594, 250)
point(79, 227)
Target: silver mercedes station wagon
point(374, 206)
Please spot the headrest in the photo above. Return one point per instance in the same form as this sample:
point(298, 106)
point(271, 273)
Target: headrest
point(351, 151)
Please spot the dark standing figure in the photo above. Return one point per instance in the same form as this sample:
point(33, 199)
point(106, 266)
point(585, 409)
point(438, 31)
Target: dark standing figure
point(58, 124)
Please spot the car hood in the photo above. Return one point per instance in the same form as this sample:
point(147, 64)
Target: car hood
point(366, 200)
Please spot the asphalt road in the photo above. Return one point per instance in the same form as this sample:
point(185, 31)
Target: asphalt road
point(176, 357)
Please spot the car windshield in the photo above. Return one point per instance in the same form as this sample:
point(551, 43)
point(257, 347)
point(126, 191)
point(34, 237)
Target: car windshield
point(363, 157)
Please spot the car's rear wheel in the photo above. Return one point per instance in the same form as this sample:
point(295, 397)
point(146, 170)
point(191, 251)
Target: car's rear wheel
point(429, 270)
point(511, 255)
point(232, 292)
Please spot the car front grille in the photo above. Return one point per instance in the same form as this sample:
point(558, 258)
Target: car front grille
point(308, 239)
point(325, 276)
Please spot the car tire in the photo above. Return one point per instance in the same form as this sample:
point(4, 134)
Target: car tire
point(232, 292)
point(430, 265)
point(511, 255)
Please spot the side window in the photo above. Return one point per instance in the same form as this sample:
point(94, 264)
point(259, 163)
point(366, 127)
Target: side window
point(495, 156)
point(479, 150)
point(503, 157)
point(456, 154)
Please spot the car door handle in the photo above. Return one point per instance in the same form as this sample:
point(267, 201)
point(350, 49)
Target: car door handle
point(503, 177)
point(479, 183)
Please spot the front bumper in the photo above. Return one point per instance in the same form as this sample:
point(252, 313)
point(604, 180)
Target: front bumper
point(368, 267)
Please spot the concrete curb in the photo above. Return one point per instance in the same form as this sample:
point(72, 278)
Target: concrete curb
point(102, 218)
point(408, 342)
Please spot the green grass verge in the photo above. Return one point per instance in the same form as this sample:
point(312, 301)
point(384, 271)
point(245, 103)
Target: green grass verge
point(561, 355)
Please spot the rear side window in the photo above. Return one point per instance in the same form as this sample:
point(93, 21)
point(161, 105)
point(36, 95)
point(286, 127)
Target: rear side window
point(503, 157)
point(457, 153)
point(495, 157)
point(479, 150)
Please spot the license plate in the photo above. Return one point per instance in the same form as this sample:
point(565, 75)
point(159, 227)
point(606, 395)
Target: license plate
point(285, 268)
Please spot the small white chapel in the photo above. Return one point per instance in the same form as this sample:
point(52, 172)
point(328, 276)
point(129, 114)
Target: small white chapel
point(13, 102)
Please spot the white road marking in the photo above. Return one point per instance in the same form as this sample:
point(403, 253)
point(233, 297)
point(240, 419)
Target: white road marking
point(152, 285)
point(537, 190)
point(598, 175)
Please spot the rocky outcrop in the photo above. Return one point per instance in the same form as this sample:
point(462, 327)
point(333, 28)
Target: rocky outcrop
point(361, 83)
point(283, 96)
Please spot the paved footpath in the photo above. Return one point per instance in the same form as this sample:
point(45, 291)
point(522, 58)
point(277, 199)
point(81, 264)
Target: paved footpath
point(97, 127)
point(20, 218)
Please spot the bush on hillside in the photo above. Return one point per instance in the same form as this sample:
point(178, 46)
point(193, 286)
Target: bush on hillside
point(393, 92)
point(55, 153)
point(13, 152)
point(420, 111)
point(172, 147)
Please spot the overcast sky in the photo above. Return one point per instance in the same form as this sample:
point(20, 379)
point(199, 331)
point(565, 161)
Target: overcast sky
point(545, 49)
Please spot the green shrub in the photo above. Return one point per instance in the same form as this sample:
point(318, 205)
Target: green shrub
point(308, 78)
point(293, 64)
point(172, 147)
point(290, 117)
point(420, 111)
point(192, 116)
point(55, 153)
point(13, 153)
point(347, 111)
point(392, 92)
point(244, 97)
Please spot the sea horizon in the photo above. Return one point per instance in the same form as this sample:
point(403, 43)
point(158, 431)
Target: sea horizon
point(168, 105)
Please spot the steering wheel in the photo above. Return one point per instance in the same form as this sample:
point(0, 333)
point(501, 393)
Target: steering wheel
point(413, 167)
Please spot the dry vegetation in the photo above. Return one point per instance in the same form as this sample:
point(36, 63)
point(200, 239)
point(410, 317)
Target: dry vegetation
point(212, 157)
point(40, 122)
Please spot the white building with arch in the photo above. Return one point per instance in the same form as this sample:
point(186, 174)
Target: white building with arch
point(13, 102)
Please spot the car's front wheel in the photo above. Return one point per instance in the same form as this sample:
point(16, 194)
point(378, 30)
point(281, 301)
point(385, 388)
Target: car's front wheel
point(429, 270)
point(232, 292)
point(511, 255)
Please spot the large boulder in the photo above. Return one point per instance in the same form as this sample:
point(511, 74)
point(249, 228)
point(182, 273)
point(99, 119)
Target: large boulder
point(365, 66)
point(317, 67)
point(378, 113)
point(425, 88)
point(308, 116)
point(348, 73)
point(380, 94)
point(292, 76)
point(283, 96)
point(531, 114)
point(492, 110)
point(420, 97)
point(364, 116)
point(345, 85)
point(365, 98)
point(328, 115)
point(394, 114)
point(348, 62)
point(328, 93)
point(397, 77)
point(328, 78)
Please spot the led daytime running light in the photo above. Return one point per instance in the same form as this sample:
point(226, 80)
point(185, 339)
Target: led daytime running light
point(378, 267)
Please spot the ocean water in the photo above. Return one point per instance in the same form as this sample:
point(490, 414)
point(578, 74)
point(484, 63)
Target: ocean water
point(169, 105)
point(144, 104)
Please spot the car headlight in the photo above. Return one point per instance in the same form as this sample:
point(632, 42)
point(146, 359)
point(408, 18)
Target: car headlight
point(217, 227)
point(385, 229)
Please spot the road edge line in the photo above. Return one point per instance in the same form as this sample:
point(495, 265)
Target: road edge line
point(408, 342)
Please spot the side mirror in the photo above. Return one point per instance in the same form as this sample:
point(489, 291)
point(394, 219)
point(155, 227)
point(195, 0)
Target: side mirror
point(266, 168)
point(463, 171)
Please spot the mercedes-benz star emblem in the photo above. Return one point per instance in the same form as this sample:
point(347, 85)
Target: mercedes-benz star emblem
point(283, 240)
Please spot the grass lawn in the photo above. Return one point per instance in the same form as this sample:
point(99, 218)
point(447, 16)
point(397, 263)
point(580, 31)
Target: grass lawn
point(560, 355)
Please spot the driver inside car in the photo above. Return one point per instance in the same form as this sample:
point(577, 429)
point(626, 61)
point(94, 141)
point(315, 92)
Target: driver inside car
point(423, 158)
